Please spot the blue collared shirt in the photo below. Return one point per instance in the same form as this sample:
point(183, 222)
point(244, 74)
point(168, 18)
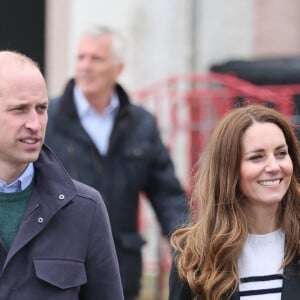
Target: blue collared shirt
point(97, 126)
point(21, 183)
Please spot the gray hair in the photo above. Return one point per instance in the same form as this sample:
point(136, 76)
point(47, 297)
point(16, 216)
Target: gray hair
point(118, 41)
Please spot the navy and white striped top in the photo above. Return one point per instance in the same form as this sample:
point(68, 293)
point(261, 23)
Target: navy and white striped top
point(260, 272)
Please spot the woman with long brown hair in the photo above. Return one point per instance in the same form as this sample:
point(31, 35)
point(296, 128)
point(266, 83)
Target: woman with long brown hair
point(244, 241)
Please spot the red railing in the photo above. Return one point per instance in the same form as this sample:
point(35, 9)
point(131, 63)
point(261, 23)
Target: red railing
point(189, 106)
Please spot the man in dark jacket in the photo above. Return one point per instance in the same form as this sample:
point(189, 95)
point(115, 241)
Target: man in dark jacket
point(55, 236)
point(114, 146)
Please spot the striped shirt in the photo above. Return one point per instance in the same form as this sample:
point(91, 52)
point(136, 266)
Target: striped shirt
point(260, 272)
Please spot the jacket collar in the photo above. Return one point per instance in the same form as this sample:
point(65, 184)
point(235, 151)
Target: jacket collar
point(52, 180)
point(53, 190)
point(67, 106)
point(67, 114)
point(291, 282)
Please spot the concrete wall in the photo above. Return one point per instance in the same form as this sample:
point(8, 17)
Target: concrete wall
point(276, 25)
point(225, 31)
point(57, 40)
point(172, 36)
point(158, 35)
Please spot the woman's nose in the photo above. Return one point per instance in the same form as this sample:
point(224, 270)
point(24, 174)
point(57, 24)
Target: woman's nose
point(272, 165)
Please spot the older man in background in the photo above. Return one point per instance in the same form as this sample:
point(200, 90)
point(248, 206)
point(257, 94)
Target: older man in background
point(113, 145)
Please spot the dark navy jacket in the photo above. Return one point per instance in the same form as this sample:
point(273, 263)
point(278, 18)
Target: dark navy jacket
point(64, 248)
point(137, 161)
point(290, 289)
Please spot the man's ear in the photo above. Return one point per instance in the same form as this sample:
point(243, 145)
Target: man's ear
point(120, 68)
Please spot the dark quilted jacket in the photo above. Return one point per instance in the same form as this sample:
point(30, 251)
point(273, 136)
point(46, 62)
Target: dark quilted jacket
point(137, 161)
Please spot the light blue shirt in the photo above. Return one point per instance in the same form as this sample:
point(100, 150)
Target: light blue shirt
point(97, 126)
point(21, 183)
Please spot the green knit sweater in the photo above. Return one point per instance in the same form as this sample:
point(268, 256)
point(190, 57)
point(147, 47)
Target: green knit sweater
point(12, 207)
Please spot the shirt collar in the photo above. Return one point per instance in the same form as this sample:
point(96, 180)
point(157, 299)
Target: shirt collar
point(27, 176)
point(83, 106)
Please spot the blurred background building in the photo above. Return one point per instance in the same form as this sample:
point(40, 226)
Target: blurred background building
point(173, 48)
point(165, 37)
point(172, 36)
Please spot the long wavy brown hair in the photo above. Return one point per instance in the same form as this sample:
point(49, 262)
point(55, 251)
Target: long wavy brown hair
point(207, 250)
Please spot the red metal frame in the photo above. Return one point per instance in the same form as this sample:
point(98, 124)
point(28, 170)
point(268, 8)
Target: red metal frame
point(208, 97)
